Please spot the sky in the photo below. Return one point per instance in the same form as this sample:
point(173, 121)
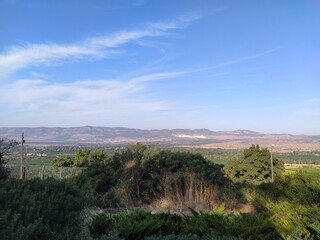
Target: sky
point(161, 64)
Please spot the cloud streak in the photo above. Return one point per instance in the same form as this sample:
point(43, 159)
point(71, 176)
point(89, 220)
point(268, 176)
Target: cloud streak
point(235, 61)
point(18, 57)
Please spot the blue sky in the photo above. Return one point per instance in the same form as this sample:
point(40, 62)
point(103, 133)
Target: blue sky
point(221, 65)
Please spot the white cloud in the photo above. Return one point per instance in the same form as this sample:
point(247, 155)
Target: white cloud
point(41, 102)
point(17, 57)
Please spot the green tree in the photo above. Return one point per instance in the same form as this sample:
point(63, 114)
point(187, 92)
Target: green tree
point(86, 157)
point(82, 158)
point(5, 145)
point(100, 178)
point(254, 166)
point(62, 162)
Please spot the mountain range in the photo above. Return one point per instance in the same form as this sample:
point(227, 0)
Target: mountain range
point(192, 137)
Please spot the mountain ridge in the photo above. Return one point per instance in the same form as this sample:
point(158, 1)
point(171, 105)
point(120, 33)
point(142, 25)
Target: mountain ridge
point(93, 134)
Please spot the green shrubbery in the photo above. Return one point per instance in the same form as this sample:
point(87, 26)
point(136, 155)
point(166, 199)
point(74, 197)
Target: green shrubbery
point(141, 175)
point(288, 208)
point(293, 203)
point(137, 225)
point(39, 209)
point(5, 145)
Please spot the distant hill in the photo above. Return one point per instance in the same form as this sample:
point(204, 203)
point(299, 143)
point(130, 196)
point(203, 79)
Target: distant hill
point(203, 138)
point(89, 134)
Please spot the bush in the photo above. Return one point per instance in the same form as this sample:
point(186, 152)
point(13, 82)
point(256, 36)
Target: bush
point(293, 204)
point(139, 225)
point(39, 209)
point(99, 178)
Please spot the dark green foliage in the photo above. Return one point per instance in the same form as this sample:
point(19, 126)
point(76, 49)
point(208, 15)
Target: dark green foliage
point(210, 236)
point(39, 209)
point(300, 188)
point(5, 145)
point(112, 235)
point(254, 166)
point(174, 237)
point(140, 174)
point(85, 157)
point(138, 225)
point(62, 162)
point(293, 204)
point(135, 224)
point(101, 176)
point(4, 171)
point(178, 167)
point(303, 188)
point(243, 225)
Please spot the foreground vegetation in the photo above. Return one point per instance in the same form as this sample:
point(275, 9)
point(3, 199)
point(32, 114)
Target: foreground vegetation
point(184, 196)
point(37, 209)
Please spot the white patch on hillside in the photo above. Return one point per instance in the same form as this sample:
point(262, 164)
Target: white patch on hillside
point(190, 136)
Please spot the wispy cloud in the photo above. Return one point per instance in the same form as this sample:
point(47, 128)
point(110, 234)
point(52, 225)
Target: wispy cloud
point(235, 61)
point(39, 100)
point(17, 57)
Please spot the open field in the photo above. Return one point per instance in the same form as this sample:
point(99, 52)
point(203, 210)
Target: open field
point(40, 155)
point(308, 170)
point(283, 143)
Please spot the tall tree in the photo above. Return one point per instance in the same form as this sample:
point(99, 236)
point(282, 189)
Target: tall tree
point(254, 166)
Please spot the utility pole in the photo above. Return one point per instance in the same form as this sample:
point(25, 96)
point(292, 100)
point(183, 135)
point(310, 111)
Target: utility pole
point(271, 160)
point(21, 160)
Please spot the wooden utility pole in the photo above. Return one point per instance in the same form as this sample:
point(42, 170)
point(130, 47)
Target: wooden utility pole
point(271, 159)
point(21, 160)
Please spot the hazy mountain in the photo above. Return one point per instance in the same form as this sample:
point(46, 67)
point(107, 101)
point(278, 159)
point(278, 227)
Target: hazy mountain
point(191, 137)
point(90, 134)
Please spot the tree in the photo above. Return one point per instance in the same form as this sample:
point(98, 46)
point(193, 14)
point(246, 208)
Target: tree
point(82, 158)
point(5, 145)
point(62, 162)
point(100, 178)
point(86, 157)
point(254, 166)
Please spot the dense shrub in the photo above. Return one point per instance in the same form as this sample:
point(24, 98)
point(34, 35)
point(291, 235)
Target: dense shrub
point(39, 209)
point(293, 204)
point(181, 174)
point(302, 188)
point(139, 224)
point(5, 145)
point(140, 174)
point(100, 177)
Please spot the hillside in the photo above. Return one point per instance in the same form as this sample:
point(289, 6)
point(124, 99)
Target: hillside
point(202, 138)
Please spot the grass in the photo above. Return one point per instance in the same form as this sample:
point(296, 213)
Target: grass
point(308, 170)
